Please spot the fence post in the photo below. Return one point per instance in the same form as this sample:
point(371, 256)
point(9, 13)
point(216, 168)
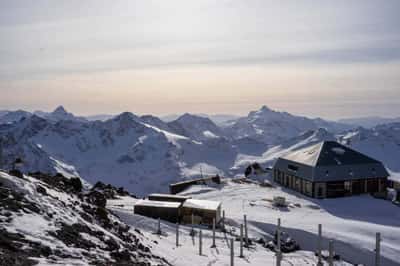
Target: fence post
point(331, 253)
point(319, 245)
point(200, 243)
point(159, 227)
point(278, 242)
point(213, 228)
point(378, 250)
point(232, 253)
point(177, 234)
point(241, 241)
point(223, 220)
point(245, 230)
point(192, 231)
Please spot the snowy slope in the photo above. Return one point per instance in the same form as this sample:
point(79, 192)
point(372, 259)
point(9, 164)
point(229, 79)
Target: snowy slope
point(351, 222)
point(49, 222)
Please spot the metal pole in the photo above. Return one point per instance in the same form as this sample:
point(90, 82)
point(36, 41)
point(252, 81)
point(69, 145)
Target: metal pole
point(213, 244)
point(200, 243)
point(177, 234)
point(245, 230)
point(241, 240)
point(331, 253)
point(192, 231)
point(223, 220)
point(378, 250)
point(159, 227)
point(232, 253)
point(319, 245)
point(278, 242)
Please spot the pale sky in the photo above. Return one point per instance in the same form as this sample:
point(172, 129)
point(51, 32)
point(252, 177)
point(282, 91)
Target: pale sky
point(331, 59)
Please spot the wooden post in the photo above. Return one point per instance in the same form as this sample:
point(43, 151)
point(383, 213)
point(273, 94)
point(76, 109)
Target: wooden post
point(232, 253)
point(213, 228)
point(245, 231)
point(241, 241)
point(378, 249)
point(331, 253)
point(319, 245)
point(278, 243)
point(159, 227)
point(192, 231)
point(177, 234)
point(200, 243)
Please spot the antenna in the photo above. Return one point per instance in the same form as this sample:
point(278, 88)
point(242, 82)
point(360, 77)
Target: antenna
point(201, 171)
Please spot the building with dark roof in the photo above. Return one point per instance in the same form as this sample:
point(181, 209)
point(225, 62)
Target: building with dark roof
point(329, 169)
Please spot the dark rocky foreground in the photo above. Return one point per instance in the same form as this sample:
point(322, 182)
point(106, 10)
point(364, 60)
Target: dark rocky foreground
point(51, 219)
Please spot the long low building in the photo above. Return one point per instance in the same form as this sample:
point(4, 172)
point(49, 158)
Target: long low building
point(176, 208)
point(329, 169)
point(165, 210)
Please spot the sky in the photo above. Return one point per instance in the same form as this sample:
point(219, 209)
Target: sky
point(331, 59)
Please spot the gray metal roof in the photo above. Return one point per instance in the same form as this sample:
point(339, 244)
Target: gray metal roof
point(330, 161)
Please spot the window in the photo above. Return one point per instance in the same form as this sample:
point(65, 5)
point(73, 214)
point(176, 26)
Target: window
point(293, 168)
point(347, 186)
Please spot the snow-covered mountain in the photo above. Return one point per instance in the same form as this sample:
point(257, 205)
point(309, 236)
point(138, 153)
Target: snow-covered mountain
point(7, 117)
point(60, 114)
point(369, 121)
point(273, 127)
point(196, 127)
point(381, 142)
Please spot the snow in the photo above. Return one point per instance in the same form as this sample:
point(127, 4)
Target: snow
point(209, 134)
point(202, 204)
point(154, 203)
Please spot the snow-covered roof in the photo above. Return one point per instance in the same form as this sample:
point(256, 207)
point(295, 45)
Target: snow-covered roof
point(328, 153)
point(171, 196)
point(160, 204)
point(330, 161)
point(202, 204)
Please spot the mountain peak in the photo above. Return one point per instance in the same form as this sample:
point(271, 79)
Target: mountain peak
point(60, 110)
point(265, 108)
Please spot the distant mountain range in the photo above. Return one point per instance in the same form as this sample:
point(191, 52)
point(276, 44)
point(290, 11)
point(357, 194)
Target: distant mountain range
point(369, 122)
point(145, 153)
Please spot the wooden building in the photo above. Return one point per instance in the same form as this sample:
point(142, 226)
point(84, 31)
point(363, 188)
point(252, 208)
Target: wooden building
point(329, 169)
point(204, 211)
point(165, 210)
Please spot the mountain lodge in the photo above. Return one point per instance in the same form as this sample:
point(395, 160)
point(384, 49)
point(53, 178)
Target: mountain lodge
point(329, 169)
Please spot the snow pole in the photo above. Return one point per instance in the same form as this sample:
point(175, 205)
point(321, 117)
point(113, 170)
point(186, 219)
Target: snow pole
point(159, 227)
point(200, 243)
point(319, 245)
point(331, 253)
point(278, 243)
point(232, 253)
point(177, 234)
point(213, 228)
point(378, 250)
point(192, 231)
point(223, 221)
point(241, 241)
point(245, 231)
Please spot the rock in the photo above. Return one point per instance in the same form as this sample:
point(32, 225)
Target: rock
point(41, 190)
point(16, 173)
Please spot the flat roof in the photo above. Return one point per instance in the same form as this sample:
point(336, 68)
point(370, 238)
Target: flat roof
point(159, 204)
point(172, 196)
point(202, 204)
